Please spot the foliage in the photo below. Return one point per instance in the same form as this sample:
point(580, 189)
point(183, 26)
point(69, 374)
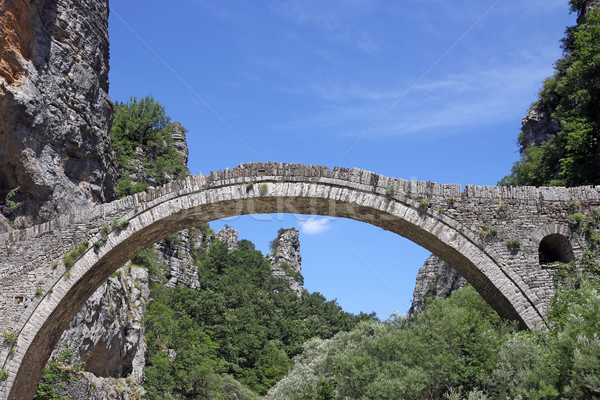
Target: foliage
point(424, 204)
point(390, 190)
point(240, 330)
point(144, 125)
point(57, 374)
point(12, 205)
point(575, 220)
point(572, 156)
point(455, 346)
point(451, 343)
point(119, 225)
point(514, 243)
point(10, 337)
point(3, 374)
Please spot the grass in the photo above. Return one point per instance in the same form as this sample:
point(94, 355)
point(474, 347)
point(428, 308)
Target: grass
point(250, 185)
point(264, 188)
point(3, 374)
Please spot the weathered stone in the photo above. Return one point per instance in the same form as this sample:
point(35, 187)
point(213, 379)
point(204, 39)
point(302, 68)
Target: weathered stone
point(229, 236)
point(107, 333)
point(55, 112)
point(454, 227)
point(538, 126)
point(436, 278)
point(287, 249)
point(286, 255)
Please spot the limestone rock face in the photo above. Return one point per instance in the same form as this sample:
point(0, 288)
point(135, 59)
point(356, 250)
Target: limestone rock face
point(435, 278)
point(229, 236)
point(176, 251)
point(538, 126)
point(55, 112)
point(287, 252)
point(108, 332)
point(287, 249)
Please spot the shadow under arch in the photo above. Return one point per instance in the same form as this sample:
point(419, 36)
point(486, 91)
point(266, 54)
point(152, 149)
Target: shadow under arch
point(172, 213)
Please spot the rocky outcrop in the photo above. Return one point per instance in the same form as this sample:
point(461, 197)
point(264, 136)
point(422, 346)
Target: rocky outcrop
point(537, 126)
point(588, 6)
point(108, 332)
point(55, 112)
point(229, 236)
point(286, 249)
point(436, 278)
point(286, 260)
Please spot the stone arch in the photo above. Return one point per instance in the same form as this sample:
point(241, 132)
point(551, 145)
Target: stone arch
point(172, 212)
point(553, 243)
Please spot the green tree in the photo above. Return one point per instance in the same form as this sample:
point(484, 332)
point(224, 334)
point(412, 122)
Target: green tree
point(143, 126)
point(572, 156)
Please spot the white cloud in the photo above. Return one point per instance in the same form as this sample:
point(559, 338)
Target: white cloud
point(314, 226)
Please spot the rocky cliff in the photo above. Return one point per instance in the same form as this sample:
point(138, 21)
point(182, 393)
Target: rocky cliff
point(286, 259)
point(435, 278)
point(55, 113)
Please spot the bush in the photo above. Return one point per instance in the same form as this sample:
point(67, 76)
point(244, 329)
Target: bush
point(390, 190)
point(119, 225)
point(575, 220)
point(10, 337)
point(514, 243)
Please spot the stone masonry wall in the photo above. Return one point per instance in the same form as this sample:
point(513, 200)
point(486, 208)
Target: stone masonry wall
point(28, 255)
point(32, 258)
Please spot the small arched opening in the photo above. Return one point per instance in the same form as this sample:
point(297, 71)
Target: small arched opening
point(555, 248)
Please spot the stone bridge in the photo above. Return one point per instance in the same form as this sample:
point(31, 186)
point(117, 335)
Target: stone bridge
point(502, 240)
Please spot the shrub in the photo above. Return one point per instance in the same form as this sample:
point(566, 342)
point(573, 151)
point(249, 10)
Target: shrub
point(502, 206)
point(390, 190)
point(575, 220)
point(424, 204)
point(10, 337)
point(264, 188)
point(488, 231)
point(69, 259)
point(82, 246)
point(3, 374)
point(250, 185)
point(119, 225)
point(514, 243)
point(100, 242)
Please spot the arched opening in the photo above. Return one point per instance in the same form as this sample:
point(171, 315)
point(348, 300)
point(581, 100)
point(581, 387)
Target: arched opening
point(555, 248)
point(168, 214)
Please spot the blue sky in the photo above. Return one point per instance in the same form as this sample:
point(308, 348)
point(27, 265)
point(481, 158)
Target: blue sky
point(416, 89)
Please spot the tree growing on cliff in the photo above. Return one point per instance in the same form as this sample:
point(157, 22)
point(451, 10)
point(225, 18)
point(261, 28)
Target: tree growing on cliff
point(571, 157)
point(142, 138)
